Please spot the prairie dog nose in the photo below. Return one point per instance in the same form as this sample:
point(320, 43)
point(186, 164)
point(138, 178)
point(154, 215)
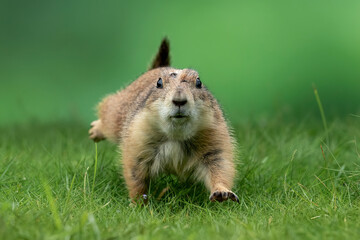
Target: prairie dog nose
point(179, 99)
point(179, 102)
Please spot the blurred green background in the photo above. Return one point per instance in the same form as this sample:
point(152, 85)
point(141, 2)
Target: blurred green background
point(59, 58)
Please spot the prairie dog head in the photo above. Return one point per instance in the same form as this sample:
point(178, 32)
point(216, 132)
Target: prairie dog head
point(181, 105)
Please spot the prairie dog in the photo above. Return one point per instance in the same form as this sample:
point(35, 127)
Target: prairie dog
point(166, 121)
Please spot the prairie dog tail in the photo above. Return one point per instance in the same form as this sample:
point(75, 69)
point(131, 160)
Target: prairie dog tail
point(162, 58)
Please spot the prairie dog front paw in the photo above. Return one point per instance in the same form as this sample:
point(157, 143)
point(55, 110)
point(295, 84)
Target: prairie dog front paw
point(221, 196)
point(95, 131)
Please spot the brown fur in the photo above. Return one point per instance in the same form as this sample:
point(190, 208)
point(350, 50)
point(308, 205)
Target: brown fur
point(178, 128)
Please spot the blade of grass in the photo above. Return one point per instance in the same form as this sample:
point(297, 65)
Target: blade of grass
point(69, 192)
point(303, 189)
point(356, 148)
point(85, 176)
point(322, 183)
point(300, 195)
point(95, 167)
point(322, 113)
point(7, 168)
point(53, 206)
point(287, 169)
point(92, 222)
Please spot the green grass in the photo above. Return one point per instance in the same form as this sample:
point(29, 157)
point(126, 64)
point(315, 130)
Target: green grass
point(51, 188)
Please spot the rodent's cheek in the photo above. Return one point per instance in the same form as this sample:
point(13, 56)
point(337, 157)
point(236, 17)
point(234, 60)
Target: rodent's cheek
point(156, 107)
point(199, 104)
point(164, 110)
point(199, 108)
point(190, 107)
point(168, 104)
point(195, 111)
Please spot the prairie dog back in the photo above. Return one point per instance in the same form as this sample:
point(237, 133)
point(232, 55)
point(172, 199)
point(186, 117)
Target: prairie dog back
point(167, 121)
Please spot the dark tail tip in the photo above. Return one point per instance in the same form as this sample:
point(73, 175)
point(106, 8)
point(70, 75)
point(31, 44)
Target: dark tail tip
point(162, 58)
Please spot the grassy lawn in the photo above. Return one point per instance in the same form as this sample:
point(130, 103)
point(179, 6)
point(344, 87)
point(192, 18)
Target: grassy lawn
point(292, 184)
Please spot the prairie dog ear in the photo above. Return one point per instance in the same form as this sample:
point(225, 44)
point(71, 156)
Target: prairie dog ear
point(162, 58)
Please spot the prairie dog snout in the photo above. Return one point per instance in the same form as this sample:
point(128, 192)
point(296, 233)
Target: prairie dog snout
point(179, 99)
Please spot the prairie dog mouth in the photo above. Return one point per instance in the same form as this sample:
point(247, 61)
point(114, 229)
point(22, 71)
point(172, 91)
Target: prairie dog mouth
point(179, 116)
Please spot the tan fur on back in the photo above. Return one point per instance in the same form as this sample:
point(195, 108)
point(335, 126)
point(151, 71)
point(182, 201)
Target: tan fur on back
point(166, 122)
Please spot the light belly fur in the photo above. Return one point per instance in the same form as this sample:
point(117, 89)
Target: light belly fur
point(171, 158)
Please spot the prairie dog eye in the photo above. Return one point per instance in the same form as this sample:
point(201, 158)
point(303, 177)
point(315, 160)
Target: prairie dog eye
point(198, 83)
point(159, 83)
